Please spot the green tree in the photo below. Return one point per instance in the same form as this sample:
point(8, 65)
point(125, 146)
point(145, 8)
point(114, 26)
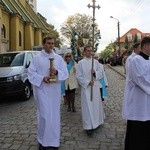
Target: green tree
point(135, 39)
point(55, 34)
point(126, 43)
point(81, 24)
point(108, 51)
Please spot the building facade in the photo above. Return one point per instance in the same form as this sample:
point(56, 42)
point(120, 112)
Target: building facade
point(20, 26)
point(33, 4)
point(130, 36)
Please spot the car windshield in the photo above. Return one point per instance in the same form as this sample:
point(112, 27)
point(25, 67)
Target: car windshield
point(37, 48)
point(11, 59)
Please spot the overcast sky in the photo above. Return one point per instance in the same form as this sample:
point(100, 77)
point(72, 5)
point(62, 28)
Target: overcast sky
point(130, 13)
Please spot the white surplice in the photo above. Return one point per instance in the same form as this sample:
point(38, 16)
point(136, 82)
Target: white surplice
point(136, 105)
point(127, 64)
point(47, 96)
point(92, 111)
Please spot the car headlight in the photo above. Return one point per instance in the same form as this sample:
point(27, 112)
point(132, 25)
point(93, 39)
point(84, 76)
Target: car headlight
point(16, 77)
point(10, 79)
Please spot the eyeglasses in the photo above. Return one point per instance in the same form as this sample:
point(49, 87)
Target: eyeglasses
point(51, 43)
point(68, 56)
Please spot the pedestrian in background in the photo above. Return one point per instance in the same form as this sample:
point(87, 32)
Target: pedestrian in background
point(47, 94)
point(92, 109)
point(103, 81)
point(136, 105)
point(70, 84)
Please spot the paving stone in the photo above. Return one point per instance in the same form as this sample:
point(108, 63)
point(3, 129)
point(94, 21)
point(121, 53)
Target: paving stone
point(15, 147)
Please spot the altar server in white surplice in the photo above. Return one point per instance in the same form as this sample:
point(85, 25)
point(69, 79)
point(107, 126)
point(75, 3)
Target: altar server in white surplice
point(92, 111)
point(47, 94)
point(136, 105)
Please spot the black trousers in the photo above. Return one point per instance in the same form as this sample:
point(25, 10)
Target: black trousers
point(137, 135)
point(101, 92)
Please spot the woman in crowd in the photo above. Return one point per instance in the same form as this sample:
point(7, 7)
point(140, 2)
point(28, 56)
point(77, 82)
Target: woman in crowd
point(70, 85)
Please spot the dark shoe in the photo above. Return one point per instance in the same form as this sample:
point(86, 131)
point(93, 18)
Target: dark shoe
point(69, 109)
point(89, 132)
point(51, 148)
point(55, 148)
point(73, 109)
point(41, 147)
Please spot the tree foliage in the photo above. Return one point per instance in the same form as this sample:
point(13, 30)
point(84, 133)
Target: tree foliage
point(81, 24)
point(126, 43)
point(135, 39)
point(54, 33)
point(108, 52)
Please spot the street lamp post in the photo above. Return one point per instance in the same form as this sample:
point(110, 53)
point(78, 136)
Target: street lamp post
point(118, 27)
point(93, 25)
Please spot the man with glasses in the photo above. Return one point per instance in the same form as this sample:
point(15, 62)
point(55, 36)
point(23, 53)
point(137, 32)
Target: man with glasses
point(47, 94)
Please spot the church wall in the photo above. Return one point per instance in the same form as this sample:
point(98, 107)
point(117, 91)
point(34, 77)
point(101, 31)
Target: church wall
point(5, 37)
point(14, 31)
point(0, 27)
point(38, 37)
point(21, 30)
point(23, 2)
point(20, 35)
point(29, 36)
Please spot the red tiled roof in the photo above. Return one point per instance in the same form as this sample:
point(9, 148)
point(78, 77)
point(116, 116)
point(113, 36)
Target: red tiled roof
point(133, 31)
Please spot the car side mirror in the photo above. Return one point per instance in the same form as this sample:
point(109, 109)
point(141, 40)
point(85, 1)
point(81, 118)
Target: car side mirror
point(28, 64)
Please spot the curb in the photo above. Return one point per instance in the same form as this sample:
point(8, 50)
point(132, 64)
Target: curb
point(123, 75)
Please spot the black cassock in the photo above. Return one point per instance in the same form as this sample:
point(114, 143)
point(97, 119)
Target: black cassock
point(137, 135)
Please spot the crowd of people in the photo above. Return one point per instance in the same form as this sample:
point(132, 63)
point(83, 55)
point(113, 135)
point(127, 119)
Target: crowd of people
point(89, 75)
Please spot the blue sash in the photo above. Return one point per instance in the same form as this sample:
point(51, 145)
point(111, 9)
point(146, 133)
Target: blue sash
point(70, 65)
point(63, 88)
point(104, 91)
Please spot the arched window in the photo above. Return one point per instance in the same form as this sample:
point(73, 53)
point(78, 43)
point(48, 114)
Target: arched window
point(20, 39)
point(129, 35)
point(138, 36)
point(31, 6)
point(3, 31)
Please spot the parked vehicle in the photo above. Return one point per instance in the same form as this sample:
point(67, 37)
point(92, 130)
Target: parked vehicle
point(13, 73)
point(37, 48)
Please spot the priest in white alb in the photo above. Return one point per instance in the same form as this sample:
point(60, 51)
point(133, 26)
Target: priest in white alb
point(92, 109)
point(47, 94)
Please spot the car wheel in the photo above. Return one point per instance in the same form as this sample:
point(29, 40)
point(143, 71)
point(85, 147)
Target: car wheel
point(27, 91)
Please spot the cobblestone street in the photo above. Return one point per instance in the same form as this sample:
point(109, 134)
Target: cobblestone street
point(18, 123)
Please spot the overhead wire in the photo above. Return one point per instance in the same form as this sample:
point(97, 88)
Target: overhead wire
point(137, 6)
